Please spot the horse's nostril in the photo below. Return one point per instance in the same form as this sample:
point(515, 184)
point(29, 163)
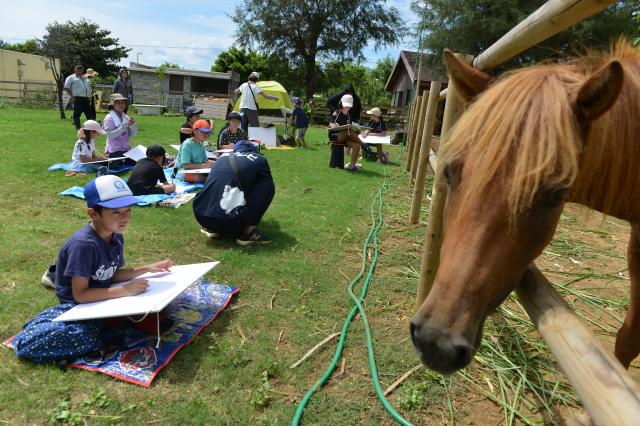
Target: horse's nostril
point(463, 353)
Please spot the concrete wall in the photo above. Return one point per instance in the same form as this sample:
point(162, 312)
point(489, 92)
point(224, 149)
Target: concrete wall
point(29, 76)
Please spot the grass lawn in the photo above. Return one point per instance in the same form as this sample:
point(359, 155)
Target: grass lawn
point(293, 294)
point(318, 220)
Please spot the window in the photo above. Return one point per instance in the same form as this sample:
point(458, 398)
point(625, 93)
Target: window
point(209, 85)
point(176, 83)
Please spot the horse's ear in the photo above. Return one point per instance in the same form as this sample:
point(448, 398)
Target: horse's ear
point(599, 92)
point(468, 80)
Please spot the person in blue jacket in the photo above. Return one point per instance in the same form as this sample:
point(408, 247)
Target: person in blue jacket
point(235, 196)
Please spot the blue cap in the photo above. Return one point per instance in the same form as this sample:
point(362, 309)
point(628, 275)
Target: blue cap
point(244, 146)
point(109, 191)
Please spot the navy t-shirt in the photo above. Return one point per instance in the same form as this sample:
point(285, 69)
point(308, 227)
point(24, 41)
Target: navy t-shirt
point(209, 200)
point(185, 136)
point(85, 254)
point(377, 126)
point(301, 120)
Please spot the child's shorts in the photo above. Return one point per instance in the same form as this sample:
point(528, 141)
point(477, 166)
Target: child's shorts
point(300, 132)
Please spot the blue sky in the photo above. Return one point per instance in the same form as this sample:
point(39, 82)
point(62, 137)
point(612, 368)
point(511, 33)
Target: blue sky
point(156, 31)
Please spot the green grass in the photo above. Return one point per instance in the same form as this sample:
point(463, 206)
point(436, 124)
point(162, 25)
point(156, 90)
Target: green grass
point(318, 220)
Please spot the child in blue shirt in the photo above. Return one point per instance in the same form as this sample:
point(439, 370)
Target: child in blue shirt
point(301, 123)
point(88, 265)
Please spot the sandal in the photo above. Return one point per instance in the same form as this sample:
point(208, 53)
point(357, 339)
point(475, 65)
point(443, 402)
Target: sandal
point(81, 174)
point(70, 173)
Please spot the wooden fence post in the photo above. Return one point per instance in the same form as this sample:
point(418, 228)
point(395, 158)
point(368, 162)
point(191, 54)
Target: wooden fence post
point(412, 128)
point(425, 150)
point(422, 113)
point(607, 391)
point(433, 238)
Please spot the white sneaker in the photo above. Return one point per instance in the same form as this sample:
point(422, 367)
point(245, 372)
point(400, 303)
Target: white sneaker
point(49, 276)
point(209, 234)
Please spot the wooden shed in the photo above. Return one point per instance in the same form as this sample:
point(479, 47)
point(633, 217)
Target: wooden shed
point(402, 80)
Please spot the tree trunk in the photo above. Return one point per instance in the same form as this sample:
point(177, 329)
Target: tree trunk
point(310, 73)
point(59, 87)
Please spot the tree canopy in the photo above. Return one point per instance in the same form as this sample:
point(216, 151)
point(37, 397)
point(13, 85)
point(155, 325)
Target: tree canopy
point(301, 32)
point(468, 26)
point(31, 46)
point(81, 42)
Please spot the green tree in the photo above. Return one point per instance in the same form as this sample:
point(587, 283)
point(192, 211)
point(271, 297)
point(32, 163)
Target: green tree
point(368, 82)
point(300, 32)
point(469, 26)
point(31, 46)
point(81, 42)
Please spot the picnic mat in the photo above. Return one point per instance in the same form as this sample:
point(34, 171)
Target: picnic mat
point(140, 362)
point(69, 167)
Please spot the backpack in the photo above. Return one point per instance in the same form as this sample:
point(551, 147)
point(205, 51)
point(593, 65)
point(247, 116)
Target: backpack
point(44, 340)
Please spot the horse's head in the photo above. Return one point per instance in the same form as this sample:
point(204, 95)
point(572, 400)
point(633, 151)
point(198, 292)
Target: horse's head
point(509, 164)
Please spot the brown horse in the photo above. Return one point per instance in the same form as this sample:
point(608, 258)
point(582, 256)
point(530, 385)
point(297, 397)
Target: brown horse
point(533, 140)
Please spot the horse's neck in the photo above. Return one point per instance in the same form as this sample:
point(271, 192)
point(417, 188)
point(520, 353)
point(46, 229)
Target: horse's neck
point(610, 163)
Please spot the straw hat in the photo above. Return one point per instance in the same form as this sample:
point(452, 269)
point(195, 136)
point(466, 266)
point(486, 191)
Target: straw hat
point(91, 72)
point(116, 97)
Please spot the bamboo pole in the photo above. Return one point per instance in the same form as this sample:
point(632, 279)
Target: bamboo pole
point(551, 18)
point(422, 114)
point(415, 116)
point(412, 128)
point(433, 238)
point(607, 391)
point(425, 151)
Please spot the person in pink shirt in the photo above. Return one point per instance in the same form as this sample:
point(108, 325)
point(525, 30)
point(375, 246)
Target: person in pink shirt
point(119, 127)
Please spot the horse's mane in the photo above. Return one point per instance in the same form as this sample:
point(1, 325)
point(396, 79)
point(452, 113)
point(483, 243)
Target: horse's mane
point(523, 130)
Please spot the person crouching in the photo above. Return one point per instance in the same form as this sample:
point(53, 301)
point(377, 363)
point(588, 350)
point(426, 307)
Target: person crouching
point(236, 195)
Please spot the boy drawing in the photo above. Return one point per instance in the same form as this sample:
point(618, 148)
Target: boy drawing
point(148, 171)
point(88, 265)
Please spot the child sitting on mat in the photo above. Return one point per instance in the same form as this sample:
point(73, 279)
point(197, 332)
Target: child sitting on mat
point(84, 150)
point(233, 133)
point(192, 154)
point(148, 171)
point(89, 263)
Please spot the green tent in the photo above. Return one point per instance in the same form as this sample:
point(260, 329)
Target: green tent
point(270, 88)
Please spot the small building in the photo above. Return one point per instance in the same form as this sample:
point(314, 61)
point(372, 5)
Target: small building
point(402, 80)
point(26, 77)
point(178, 89)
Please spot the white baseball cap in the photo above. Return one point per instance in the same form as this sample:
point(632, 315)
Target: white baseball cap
point(109, 191)
point(375, 111)
point(346, 101)
point(93, 125)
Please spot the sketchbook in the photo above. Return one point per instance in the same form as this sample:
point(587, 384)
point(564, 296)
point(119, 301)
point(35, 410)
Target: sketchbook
point(376, 140)
point(352, 126)
point(137, 153)
point(107, 160)
point(163, 288)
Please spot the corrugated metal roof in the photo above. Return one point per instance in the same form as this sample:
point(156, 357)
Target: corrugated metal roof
point(191, 73)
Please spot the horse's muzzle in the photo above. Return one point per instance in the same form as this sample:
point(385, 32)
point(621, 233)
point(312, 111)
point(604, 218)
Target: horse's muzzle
point(440, 350)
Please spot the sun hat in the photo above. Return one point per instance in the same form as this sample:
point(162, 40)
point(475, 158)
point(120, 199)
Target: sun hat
point(346, 101)
point(93, 125)
point(254, 74)
point(202, 125)
point(234, 116)
point(191, 111)
point(91, 72)
point(109, 191)
point(116, 97)
point(375, 111)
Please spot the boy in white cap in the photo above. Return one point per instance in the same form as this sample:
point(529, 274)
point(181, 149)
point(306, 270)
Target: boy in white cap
point(348, 137)
point(88, 265)
point(378, 128)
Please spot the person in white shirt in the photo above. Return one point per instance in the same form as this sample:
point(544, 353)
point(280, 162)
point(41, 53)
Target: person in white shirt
point(84, 150)
point(78, 87)
point(248, 102)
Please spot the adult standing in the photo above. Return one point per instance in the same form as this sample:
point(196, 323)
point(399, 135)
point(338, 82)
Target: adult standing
point(90, 74)
point(333, 103)
point(248, 102)
point(235, 196)
point(124, 86)
point(78, 87)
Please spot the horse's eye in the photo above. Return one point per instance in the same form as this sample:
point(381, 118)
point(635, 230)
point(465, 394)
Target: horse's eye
point(556, 198)
point(446, 174)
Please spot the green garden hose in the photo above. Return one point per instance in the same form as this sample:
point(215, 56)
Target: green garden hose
point(376, 224)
